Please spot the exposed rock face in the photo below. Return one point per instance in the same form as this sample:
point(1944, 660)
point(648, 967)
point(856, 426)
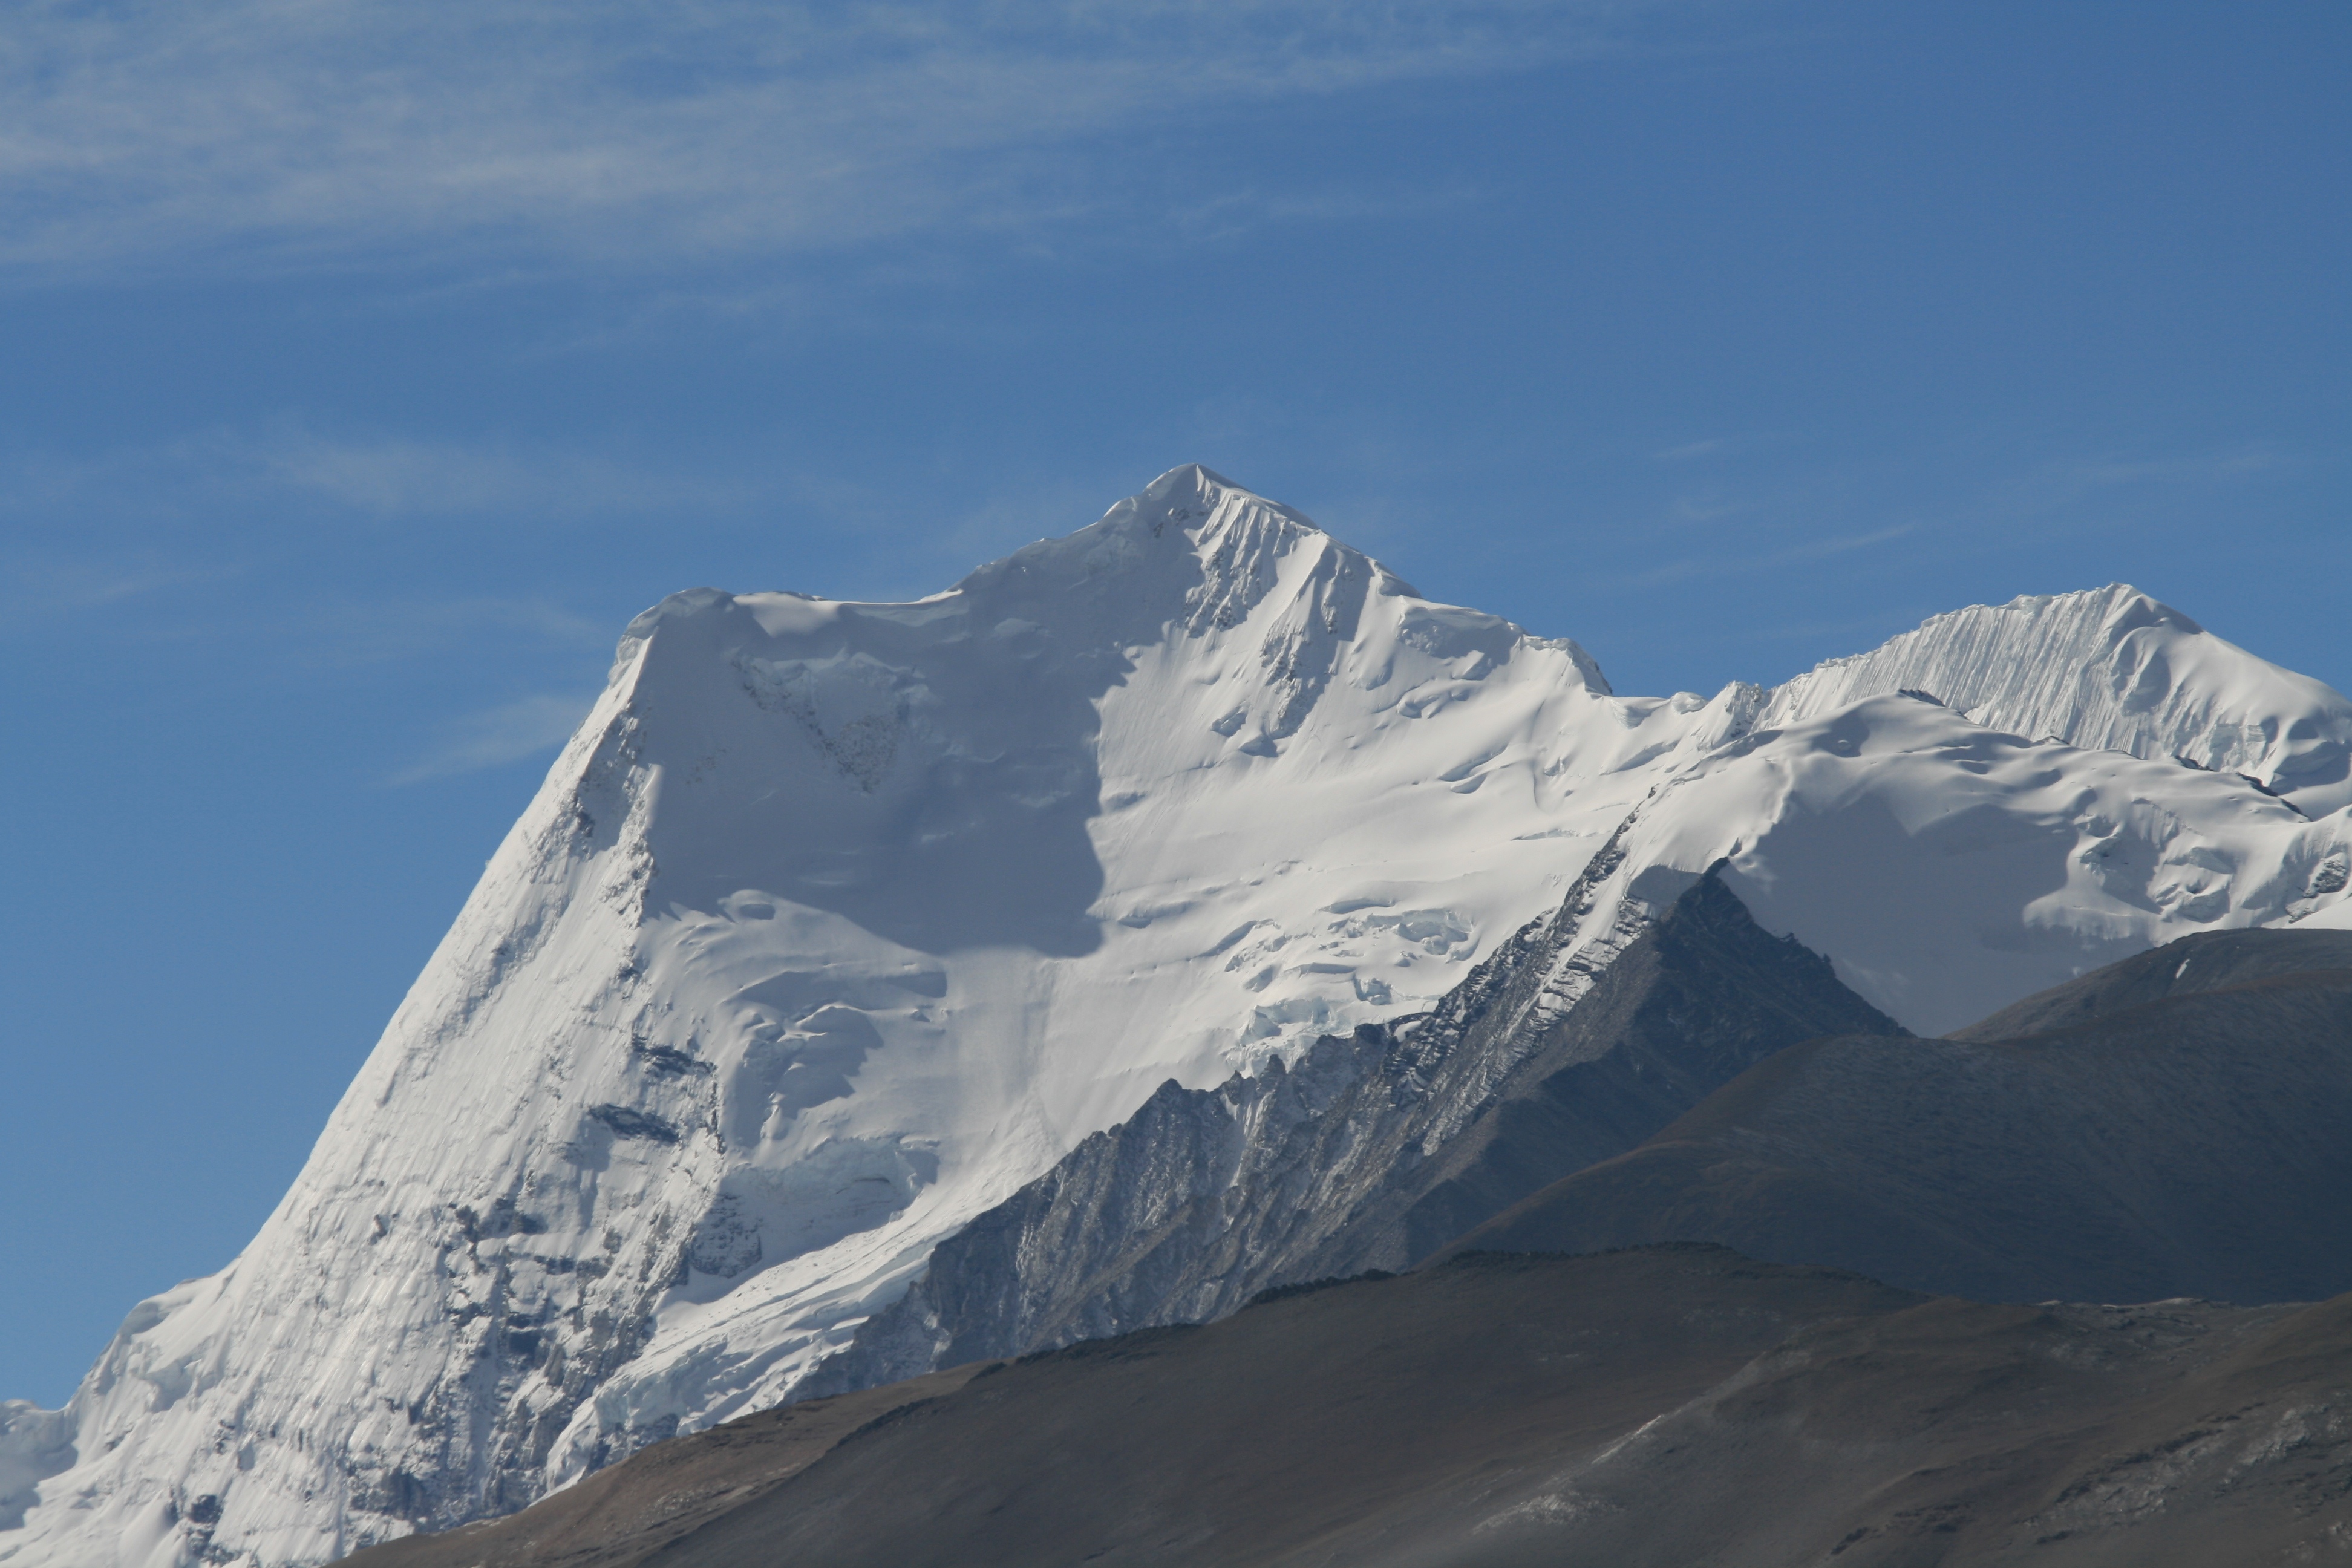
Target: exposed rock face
point(2157, 1134)
point(1569, 1046)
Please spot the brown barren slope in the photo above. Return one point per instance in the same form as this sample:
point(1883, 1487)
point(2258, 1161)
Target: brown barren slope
point(1662, 1407)
point(622, 1515)
point(2189, 1144)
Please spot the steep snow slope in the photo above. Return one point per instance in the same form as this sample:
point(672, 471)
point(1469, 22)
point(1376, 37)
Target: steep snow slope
point(2111, 669)
point(835, 923)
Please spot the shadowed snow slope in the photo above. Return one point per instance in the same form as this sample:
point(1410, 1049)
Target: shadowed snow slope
point(835, 923)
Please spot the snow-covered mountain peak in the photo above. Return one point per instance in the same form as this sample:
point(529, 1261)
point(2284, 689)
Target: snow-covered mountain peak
point(1191, 533)
point(1190, 547)
point(2109, 667)
point(836, 922)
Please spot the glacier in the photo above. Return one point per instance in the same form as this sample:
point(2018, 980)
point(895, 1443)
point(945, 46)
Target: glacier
point(837, 924)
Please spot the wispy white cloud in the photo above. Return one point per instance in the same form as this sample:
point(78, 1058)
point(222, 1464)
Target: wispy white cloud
point(1228, 213)
point(1715, 449)
point(2121, 488)
point(2071, 493)
point(357, 631)
point(368, 474)
point(397, 476)
point(1877, 626)
point(496, 736)
point(176, 530)
point(1736, 563)
point(42, 584)
point(2078, 476)
point(1690, 451)
point(293, 131)
point(1709, 507)
point(1843, 543)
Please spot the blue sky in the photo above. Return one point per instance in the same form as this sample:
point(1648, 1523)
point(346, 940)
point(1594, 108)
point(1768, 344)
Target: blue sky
point(363, 368)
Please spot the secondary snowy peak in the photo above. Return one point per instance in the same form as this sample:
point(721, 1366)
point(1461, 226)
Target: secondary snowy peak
point(2108, 669)
point(1948, 869)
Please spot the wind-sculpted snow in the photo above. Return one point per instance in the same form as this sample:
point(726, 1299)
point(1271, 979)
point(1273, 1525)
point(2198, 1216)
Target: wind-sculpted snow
point(2109, 669)
point(837, 924)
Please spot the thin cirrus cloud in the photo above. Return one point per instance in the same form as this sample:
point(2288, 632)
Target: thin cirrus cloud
point(496, 736)
point(398, 476)
point(37, 588)
point(380, 474)
point(350, 632)
point(1729, 564)
point(282, 132)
